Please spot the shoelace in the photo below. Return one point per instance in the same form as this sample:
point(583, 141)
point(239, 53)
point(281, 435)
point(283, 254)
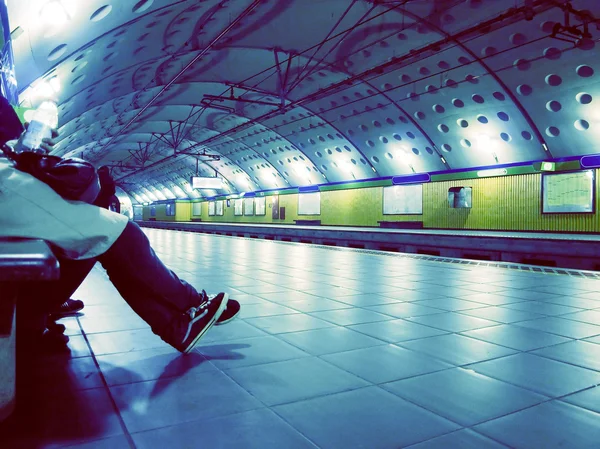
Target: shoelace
point(204, 303)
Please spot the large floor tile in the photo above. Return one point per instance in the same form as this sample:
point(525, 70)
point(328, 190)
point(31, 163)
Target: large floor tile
point(543, 308)
point(330, 340)
point(405, 309)
point(249, 351)
point(316, 305)
point(396, 330)
point(461, 439)
point(385, 363)
point(453, 322)
point(552, 425)
point(515, 337)
point(120, 442)
point(346, 317)
point(369, 418)
point(451, 304)
point(294, 380)
point(288, 323)
point(255, 429)
point(166, 402)
point(589, 399)
point(588, 316)
point(467, 398)
point(580, 353)
point(124, 341)
point(539, 374)
point(562, 326)
point(457, 349)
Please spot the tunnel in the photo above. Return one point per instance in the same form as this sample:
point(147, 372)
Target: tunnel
point(401, 196)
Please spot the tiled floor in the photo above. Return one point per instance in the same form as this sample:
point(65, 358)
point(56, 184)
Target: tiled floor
point(334, 349)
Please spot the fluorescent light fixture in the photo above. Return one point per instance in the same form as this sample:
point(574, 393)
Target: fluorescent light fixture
point(57, 12)
point(492, 172)
point(54, 83)
point(199, 182)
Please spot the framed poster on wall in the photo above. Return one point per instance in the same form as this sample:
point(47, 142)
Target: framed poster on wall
point(248, 206)
point(238, 207)
point(211, 208)
point(260, 205)
point(309, 203)
point(403, 200)
point(196, 209)
point(569, 193)
point(219, 207)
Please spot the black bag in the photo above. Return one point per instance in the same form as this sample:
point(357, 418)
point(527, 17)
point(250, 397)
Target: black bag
point(71, 178)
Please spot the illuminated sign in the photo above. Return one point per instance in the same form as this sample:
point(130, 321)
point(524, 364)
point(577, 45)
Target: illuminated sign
point(199, 182)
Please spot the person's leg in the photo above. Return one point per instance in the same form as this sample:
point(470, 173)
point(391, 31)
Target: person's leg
point(152, 290)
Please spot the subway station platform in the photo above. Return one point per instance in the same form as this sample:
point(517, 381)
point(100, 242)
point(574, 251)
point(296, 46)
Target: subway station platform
point(335, 348)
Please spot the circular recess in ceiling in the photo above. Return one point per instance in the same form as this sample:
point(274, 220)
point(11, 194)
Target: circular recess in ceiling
point(517, 39)
point(462, 123)
point(363, 161)
point(552, 131)
point(499, 96)
point(458, 103)
point(389, 155)
point(280, 162)
point(79, 66)
point(547, 26)
point(475, 3)
point(448, 18)
point(358, 95)
point(375, 159)
point(583, 98)
point(522, 64)
point(78, 80)
point(410, 135)
point(383, 139)
point(370, 92)
point(109, 56)
point(370, 143)
point(413, 96)
point(424, 71)
point(405, 79)
point(57, 52)
point(451, 83)
point(443, 128)
point(524, 89)
point(80, 57)
point(142, 6)
point(401, 36)
point(403, 119)
point(581, 125)
point(431, 89)
point(101, 13)
point(420, 115)
point(488, 51)
point(319, 154)
point(478, 99)
point(386, 86)
point(364, 128)
point(482, 119)
point(526, 135)
point(471, 79)
point(503, 116)
point(350, 132)
point(121, 32)
point(353, 161)
point(329, 151)
point(465, 143)
point(322, 139)
point(384, 44)
point(553, 80)
point(438, 108)
point(553, 106)
point(429, 150)
point(347, 148)
point(506, 137)
point(443, 65)
point(389, 121)
point(397, 136)
point(584, 71)
point(338, 135)
point(446, 148)
point(463, 60)
point(376, 124)
point(585, 44)
point(311, 141)
point(416, 151)
point(552, 53)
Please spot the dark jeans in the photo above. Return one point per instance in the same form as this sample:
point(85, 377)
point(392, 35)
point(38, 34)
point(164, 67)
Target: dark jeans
point(152, 290)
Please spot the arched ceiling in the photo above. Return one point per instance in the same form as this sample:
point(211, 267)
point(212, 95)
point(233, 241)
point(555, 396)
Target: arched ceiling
point(269, 94)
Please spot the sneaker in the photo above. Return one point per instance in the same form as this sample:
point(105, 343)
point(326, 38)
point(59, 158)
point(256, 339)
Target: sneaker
point(69, 307)
point(232, 310)
point(201, 319)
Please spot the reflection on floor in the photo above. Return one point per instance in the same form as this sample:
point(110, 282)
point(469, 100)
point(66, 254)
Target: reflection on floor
point(334, 349)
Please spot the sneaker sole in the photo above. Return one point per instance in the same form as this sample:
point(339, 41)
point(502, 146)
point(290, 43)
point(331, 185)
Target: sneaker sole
point(227, 321)
point(215, 317)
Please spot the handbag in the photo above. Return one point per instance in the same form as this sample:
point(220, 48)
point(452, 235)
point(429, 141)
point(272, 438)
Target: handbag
point(72, 178)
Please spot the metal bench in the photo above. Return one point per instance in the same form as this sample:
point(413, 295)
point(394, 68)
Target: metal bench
point(21, 261)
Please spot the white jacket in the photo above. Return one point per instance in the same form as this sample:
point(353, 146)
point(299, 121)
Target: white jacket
point(30, 208)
